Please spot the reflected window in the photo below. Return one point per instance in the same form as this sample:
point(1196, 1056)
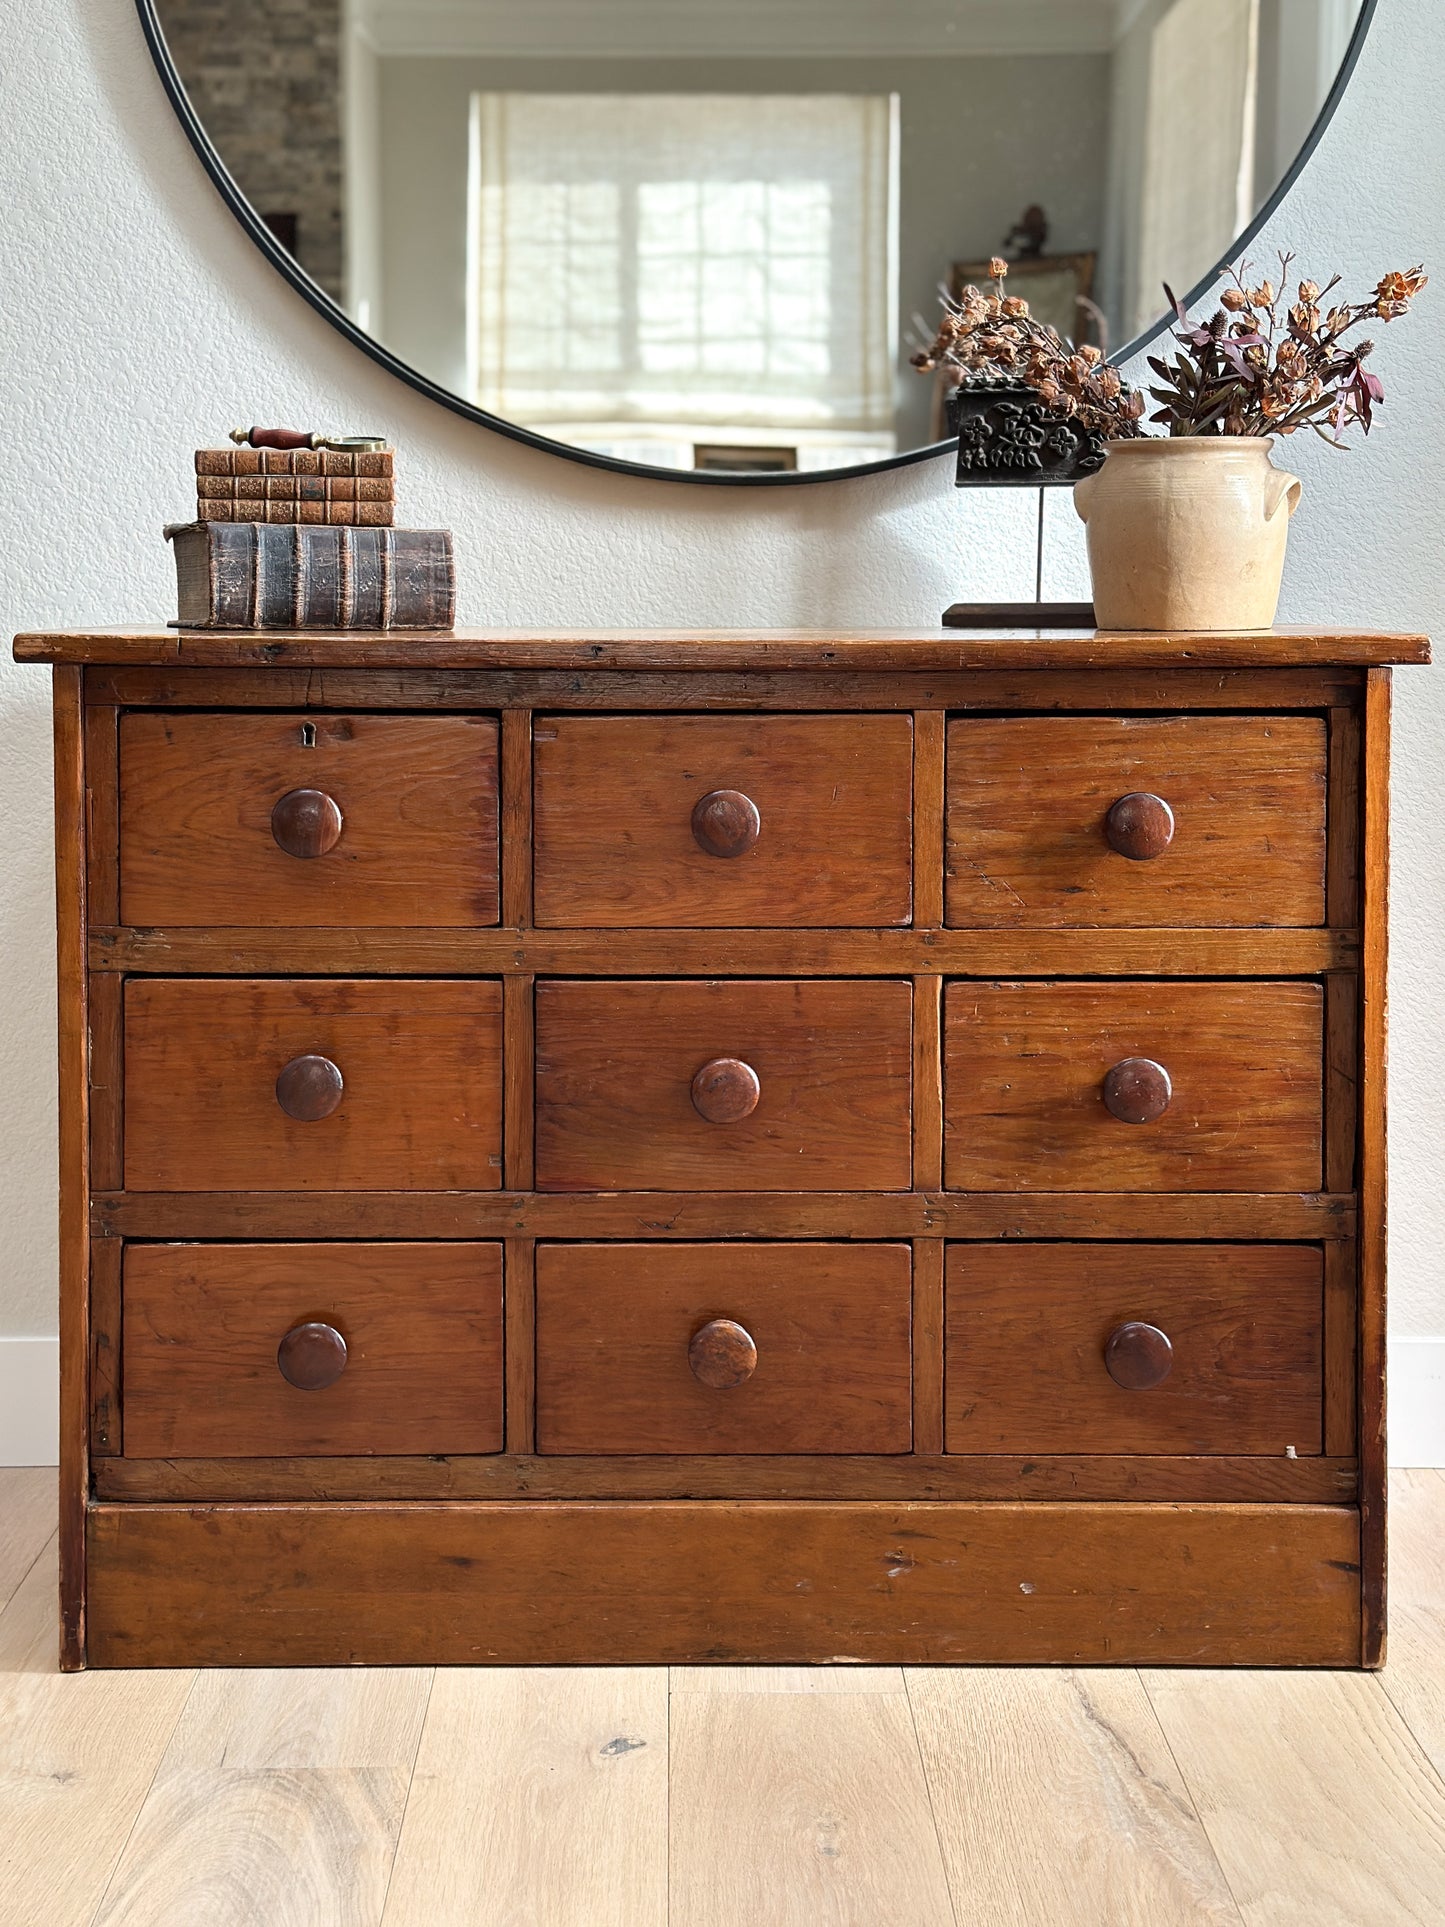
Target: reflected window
point(675, 269)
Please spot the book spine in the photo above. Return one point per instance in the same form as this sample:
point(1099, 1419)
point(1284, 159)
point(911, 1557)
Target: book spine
point(376, 464)
point(262, 576)
point(294, 488)
point(336, 514)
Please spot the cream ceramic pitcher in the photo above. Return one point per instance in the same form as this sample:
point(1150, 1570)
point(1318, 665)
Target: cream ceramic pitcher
point(1187, 533)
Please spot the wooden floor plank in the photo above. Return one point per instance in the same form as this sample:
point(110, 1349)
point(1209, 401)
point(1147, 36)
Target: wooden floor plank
point(27, 1521)
point(1414, 1675)
point(1047, 1783)
point(1322, 1809)
point(279, 1799)
point(234, 1848)
point(787, 1679)
point(801, 1810)
point(540, 1795)
point(77, 1756)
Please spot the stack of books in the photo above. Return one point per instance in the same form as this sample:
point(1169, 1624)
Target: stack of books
point(344, 488)
point(303, 538)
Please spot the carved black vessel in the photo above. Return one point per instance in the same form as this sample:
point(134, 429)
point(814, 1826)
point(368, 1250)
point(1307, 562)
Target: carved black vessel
point(1009, 437)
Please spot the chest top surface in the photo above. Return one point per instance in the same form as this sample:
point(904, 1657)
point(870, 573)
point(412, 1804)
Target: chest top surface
point(712, 649)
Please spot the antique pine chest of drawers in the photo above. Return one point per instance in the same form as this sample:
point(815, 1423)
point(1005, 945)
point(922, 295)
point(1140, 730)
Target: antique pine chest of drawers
point(777, 1147)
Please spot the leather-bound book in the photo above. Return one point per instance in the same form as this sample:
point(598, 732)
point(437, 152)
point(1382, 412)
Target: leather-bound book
point(258, 575)
point(374, 463)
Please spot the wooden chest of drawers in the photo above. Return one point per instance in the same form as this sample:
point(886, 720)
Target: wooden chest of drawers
point(760, 1148)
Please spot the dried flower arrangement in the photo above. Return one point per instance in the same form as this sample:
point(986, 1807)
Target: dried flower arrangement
point(1248, 370)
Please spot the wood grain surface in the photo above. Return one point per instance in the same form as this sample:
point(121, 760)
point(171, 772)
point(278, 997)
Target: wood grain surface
point(423, 1332)
point(1025, 1064)
point(717, 1214)
point(1091, 1476)
point(1061, 1784)
point(827, 1818)
point(1028, 798)
point(538, 1797)
point(418, 803)
point(830, 1323)
point(616, 845)
point(822, 648)
point(783, 1581)
point(421, 1061)
point(293, 951)
point(615, 1064)
point(1027, 1325)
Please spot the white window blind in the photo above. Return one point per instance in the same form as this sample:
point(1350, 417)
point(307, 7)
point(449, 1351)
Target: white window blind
point(1198, 190)
point(725, 262)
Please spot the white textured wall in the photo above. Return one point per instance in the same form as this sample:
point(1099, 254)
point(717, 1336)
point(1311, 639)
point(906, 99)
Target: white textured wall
point(136, 321)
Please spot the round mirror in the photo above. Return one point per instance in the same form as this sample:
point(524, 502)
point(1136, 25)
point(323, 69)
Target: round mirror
point(703, 237)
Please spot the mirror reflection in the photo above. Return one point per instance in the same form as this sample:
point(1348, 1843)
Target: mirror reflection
point(709, 235)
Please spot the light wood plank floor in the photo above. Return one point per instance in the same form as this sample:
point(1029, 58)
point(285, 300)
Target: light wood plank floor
point(738, 1797)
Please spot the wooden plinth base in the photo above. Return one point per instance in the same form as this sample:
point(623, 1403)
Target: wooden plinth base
point(696, 1581)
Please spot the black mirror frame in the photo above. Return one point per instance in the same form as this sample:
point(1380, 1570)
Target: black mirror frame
point(332, 311)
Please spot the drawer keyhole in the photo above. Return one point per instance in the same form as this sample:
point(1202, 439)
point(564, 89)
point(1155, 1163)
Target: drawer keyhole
point(722, 1354)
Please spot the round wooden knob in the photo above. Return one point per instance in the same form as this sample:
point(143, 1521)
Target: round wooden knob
point(1137, 1090)
point(1140, 826)
point(726, 823)
point(306, 823)
point(1138, 1356)
point(311, 1357)
point(309, 1088)
point(721, 1354)
point(725, 1090)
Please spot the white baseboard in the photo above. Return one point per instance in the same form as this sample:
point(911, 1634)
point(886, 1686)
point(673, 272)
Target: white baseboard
point(1416, 1410)
point(30, 1430)
point(29, 1401)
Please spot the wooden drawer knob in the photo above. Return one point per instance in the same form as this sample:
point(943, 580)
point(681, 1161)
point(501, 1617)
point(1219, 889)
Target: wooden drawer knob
point(1137, 1090)
point(726, 1090)
point(312, 1356)
point(721, 1354)
point(1140, 826)
point(726, 823)
point(309, 1088)
point(1138, 1356)
point(306, 823)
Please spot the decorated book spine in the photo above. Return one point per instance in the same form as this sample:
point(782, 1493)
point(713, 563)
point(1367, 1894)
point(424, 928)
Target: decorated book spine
point(252, 575)
point(373, 464)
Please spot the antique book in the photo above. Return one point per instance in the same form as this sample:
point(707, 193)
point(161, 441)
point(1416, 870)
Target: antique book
point(372, 515)
point(378, 462)
point(252, 575)
point(296, 488)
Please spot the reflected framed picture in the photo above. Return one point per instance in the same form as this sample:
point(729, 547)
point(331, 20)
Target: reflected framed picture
point(1052, 284)
point(733, 458)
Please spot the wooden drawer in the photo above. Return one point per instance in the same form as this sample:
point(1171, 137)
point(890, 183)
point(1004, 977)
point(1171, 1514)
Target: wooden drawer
point(268, 1351)
point(1187, 1349)
point(1031, 1070)
point(723, 821)
point(231, 1085)
point(307, 820)
point(1226, 822)
point(724, 1348)
point(733, 1086)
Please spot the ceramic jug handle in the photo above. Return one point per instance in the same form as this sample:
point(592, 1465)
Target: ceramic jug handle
point(1083, 489)
point(1282, 488)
